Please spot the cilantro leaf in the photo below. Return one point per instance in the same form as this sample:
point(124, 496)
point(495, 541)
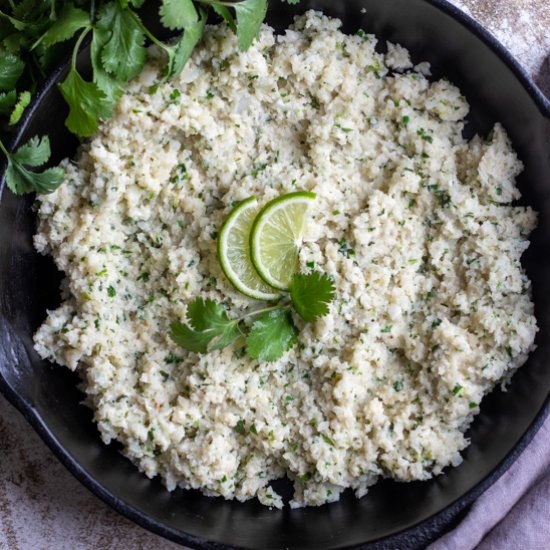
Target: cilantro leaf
point(311, 293)
point(190, 339)
point(123, 54)
point(205, 314)
point(178, 14)
point(68, 22)
point(17, 23)
point(32, 154)
point(271, 335)
point(210, 327)
point(223, 12)
point(11, 68)
point(250, 16)
point(106, 82)
point(7, 101)
point(35, 152)
point(181, 52)
point(87, 104)
point(22, 103)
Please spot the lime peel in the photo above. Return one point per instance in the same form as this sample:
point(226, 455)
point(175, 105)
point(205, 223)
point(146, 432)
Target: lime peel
point(276, 237)
point(234, 252)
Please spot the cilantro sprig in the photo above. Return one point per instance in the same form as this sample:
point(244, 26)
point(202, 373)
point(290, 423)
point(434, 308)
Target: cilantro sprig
point(36, 34)
point(20, 176)
point(270, 335)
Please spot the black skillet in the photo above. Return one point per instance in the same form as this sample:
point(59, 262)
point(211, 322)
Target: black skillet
point(393, 515)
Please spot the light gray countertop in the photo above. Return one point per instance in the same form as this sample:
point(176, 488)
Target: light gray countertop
point(43, 507)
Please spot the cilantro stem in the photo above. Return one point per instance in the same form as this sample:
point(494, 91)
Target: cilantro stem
point(147, 32)
point(210, 2)
point(4, 150)
point(258, 311)
point(83, 34)
point(92, 11)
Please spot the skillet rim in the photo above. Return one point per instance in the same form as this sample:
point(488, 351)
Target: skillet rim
point(31, 415)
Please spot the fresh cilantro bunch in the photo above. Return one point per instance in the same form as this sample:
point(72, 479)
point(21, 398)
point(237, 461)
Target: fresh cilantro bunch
point(271, 333)
point(36, 34)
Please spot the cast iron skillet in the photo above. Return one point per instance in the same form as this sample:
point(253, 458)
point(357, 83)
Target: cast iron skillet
point(392, 515)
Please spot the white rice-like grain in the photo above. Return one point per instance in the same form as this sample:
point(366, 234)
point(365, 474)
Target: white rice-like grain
point(414, 223)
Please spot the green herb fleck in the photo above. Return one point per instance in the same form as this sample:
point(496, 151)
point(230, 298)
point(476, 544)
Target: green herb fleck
point(422, 133)
point(327, 439)
point(457, 389)
point(239, 427)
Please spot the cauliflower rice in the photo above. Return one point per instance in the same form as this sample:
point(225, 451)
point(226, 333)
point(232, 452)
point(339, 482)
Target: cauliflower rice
point(414, 223)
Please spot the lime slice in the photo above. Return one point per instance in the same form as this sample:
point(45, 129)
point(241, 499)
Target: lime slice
point(234, 252)
point(277, 235)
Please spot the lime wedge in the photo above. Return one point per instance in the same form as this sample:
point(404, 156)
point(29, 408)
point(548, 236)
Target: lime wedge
point(234, 252)
point(276, 237)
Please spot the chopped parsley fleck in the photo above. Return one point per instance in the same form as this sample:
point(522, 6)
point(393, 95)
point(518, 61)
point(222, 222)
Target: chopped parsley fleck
point(422, 133)
point(387, 329)
point(441, 195)
point(327, 439)
point(172, 359)
point(151, 434)
point(259, 168)
point(175, 97)
point(436, 322)
point(406, 120)
point(473, 405)
point(253, 429)
point(457, 389)
point(239, 427)
point(345, 249)
point(111, 291)
point(345, 130)
point(398, 385)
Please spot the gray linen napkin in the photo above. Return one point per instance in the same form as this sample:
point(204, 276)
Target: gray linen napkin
point(514, 513)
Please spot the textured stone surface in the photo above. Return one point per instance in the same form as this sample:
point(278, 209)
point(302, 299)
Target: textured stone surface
point(523, 26)
point(43, 507)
